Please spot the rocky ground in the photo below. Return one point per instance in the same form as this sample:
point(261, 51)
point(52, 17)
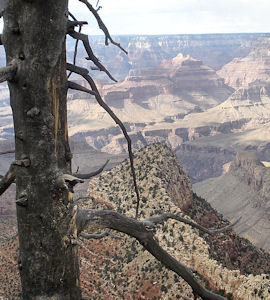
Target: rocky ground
point(243, 190)
point(118, 268)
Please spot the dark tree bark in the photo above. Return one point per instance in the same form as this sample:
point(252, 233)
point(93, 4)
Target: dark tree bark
point(34, 38)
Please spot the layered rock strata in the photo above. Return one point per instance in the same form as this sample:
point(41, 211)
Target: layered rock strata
point(243, 192)
point(240, 72)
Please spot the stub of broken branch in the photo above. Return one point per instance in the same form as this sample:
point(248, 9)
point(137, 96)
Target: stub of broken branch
point(7, 73)
point(67, 181)
point(7, 179)
point(145, 236)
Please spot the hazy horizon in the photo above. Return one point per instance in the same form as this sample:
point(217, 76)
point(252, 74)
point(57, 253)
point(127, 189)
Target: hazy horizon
point(176, 17)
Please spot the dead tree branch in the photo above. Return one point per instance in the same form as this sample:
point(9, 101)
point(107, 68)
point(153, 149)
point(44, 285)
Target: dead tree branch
point(72, 16)
point(7, 179)
point(75, 86)
point(8, 72)
point(98, 236)
point(92, 174)
point(75, 23)
point(7, 152)
point(84, 73)
point(139, 230)
point(152, 221)
point(91, 56)
point(75, 51)
point(102, 26)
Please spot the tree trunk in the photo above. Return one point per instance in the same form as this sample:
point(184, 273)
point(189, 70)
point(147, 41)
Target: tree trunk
point(34, 35)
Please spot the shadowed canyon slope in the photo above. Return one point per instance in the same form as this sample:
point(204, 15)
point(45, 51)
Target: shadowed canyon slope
point(243, 191)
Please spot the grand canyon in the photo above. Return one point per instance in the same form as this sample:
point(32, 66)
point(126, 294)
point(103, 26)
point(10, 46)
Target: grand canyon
point(197, 109)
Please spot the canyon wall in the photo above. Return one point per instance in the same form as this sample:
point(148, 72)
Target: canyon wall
point(243, 191)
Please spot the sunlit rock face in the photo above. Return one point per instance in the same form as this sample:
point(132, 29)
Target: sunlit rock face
point(253, 67)
point(149, 103)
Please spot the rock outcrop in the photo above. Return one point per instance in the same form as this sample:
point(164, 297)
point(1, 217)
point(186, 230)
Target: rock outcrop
point(183, 76)
point(243, 191)
point(158, 177)
point(240, 72)
point(205, 156)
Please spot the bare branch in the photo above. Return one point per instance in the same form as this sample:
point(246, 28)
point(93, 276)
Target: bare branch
point(91, 56)
point(98, 236)
point(92, 174)
point(78, 87)
point(74, 23)
point(137, 229)
point(7, 179)
point(84, 73)
point(95, 68)
point(75, 51)
point(76, 69)
point(95, 236)
point(7, 152)
point(165, 216)
point(8, 72)
point(102, 26)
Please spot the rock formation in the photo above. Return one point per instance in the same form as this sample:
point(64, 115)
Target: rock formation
point(215, 50)
point(255, 66)
point(147, 103)
point(182, 76)
point(243, 191)
point(161, 182)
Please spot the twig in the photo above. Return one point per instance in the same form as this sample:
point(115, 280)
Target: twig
point(165, 216)
point(76, 44)
point(91, 56)
point(102, 26)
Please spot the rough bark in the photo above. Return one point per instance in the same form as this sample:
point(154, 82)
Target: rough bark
point(34, 33)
